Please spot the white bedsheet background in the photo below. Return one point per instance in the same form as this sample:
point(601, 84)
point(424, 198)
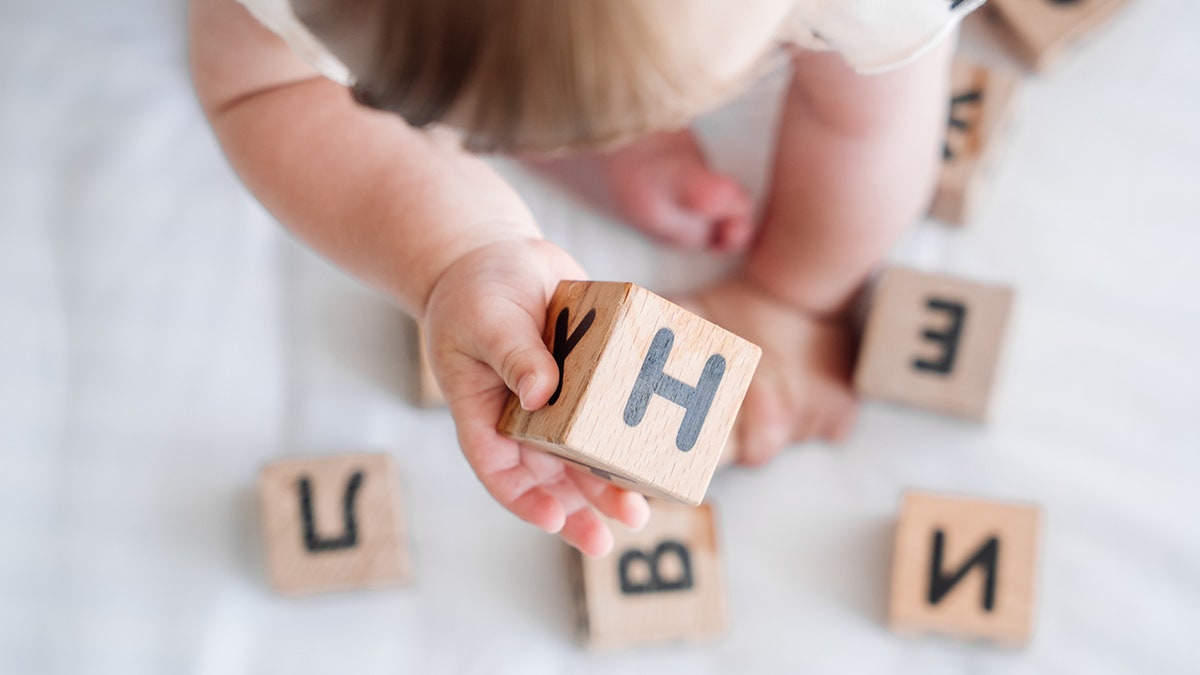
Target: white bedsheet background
point(160, 339)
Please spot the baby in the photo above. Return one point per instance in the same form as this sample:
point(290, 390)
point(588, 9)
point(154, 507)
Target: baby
point(354, 122)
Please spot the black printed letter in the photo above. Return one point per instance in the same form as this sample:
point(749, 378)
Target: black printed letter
point(314, 543)
point(564, 344)
point(948, 338)
point(695, 400)
point(971, 97)
point(655, 583)
point(940, 585)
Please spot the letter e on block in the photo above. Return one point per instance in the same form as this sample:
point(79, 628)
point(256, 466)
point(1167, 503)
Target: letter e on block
point(935, 342)
point(333, 523)
point(663, 584)
point(647, 391)
point(965, 567)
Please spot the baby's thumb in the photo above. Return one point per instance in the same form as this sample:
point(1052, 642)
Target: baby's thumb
point(513, 348)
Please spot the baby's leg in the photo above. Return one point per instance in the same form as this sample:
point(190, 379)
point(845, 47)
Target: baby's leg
point(662, 185)
point(856, 162)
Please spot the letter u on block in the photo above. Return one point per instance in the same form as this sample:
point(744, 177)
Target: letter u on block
point(333, 523)
point(349, 538)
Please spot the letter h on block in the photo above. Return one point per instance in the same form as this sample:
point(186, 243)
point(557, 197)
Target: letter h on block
point(647, 391)
point(964, 567)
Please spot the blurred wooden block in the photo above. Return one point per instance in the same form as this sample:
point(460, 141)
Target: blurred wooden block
point(429, 394)
point(333, 523)
point(663, 584)
point(981, 104)
point(1041, 30)
point(934, 342)
point(965, 567)
point(648, 391)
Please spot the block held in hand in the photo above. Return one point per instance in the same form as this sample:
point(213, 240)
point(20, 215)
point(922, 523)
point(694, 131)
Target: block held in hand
point(647, 391)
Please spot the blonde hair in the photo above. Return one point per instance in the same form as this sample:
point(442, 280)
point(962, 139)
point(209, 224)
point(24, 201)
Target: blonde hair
point(519, 75)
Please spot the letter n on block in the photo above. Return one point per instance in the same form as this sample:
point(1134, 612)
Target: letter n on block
point(648, 392)
point(965, 567)
point(663, 584)
point(934, 342)
point(333, 523)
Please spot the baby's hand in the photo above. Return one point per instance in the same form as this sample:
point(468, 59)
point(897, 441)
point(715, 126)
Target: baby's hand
point(484, 323)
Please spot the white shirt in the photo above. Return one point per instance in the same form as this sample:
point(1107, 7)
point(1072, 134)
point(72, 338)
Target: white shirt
point(872, 35)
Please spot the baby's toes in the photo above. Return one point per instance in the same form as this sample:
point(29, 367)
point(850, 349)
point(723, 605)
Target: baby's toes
point(712, 195)
point(763, 427)
point(732, 235)
point(838, 418)
point(828, 415)
point(587, 532)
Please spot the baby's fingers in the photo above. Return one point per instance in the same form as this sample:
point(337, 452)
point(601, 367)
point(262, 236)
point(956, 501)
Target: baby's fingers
point(587, 532)
point(539, 509)
point(509, 343)
point(630, 508)
point(498, 462)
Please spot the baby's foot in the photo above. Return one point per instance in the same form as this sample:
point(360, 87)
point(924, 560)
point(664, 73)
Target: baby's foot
point(801, 390)
point(662, 185)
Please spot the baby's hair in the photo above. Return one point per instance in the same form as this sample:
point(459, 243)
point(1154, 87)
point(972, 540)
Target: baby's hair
point(517, 75)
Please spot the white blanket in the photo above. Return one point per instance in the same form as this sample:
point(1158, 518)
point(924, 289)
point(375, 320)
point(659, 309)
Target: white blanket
point(160, 339)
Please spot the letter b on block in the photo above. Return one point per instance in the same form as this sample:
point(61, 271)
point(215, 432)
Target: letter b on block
point(647, 393)
point(964, 567)
point(934, 342)
point(662, 584)
point(656, 580)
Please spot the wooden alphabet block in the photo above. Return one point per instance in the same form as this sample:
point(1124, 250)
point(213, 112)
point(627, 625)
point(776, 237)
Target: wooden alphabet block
point(647, 391)
point(1041, 30)
point(429, 394)
point(663, 584)
point(981, 103)
point(934, 341)
point(965, 567)
point(333, 523)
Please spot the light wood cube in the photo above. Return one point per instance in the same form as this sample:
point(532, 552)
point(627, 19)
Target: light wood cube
point(663, 584)
point(648, 392)
point(429, 394)
point(981, 103)
point(965, 567)
point(934, 342)
point(333, 523)
point(1041, 30)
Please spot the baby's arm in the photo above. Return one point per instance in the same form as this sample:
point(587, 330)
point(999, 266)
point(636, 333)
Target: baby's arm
point(430, 225)
point(856, 163)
